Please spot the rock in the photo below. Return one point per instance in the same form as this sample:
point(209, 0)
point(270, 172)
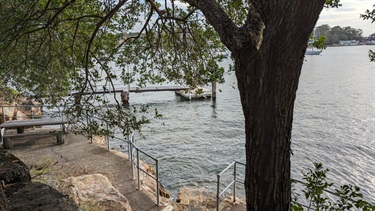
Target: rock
point(168, 208)
point(27, 107)
point(149, 183)
point(4, 204)
point(183, 201)
point(202, 199)
point(8, 112)
point(94, 191)
point(13, 172)
point(99, 139)
point(38, 196)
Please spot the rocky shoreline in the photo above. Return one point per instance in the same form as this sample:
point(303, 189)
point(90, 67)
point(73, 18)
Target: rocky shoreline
point(52, 183)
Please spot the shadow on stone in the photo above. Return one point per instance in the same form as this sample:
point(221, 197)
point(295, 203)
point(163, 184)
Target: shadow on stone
point(17, 192)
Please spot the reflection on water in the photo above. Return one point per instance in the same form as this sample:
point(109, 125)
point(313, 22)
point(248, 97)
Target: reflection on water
point(333, 124)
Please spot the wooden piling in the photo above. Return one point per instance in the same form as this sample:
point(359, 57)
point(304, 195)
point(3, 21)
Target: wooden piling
point(125, 96)
point(213, 91)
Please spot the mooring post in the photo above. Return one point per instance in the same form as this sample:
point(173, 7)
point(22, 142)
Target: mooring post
point(213, 91)
point(125, 96)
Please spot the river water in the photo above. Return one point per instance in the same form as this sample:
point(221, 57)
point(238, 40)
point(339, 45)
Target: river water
point(334, 120)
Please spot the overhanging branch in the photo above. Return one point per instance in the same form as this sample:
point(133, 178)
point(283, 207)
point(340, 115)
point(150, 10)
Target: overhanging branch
point(93, 35)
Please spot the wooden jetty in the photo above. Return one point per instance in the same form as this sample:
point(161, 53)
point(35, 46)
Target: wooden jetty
point(125, 91)
point(135, 89)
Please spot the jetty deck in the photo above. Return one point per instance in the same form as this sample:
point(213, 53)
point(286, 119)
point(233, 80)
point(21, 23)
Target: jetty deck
point(136, 89)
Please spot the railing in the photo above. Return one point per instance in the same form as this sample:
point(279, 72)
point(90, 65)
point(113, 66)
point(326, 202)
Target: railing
point(133, 155)
point(54, 111)
point(133, 150)
point(32, 114)
point(233, 182)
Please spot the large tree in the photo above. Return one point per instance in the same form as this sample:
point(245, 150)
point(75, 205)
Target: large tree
point(267, 40)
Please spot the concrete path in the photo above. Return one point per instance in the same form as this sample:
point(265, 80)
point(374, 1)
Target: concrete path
point(78, 157)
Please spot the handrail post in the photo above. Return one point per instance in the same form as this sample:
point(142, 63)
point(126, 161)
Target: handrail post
point(88, 122)
point(131, 158)
point(2, 109)
point(129, 151)
point(218, 193)
point(157, 183)
point(234, 179)
point(32, 116)
point(106, 137)
point(59, 109)
point(138, 171)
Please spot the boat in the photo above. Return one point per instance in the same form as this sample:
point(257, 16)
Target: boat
point(197, 93)
point(312, 51)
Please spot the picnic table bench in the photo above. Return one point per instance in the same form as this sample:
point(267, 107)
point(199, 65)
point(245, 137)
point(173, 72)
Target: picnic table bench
point(21, 124)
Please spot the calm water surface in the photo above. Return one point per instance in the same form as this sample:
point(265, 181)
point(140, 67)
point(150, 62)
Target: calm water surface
point(334, 120)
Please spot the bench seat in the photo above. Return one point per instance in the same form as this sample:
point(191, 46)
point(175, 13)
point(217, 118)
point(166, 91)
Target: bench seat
point(8, 143)
point(21, 124)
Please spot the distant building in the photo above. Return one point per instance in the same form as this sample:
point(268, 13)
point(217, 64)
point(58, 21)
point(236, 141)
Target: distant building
point(348, 42)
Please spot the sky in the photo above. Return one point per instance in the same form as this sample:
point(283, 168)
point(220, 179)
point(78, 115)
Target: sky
point(348, 15)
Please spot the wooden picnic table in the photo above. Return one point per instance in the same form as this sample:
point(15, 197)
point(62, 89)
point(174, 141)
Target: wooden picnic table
point(21, 124)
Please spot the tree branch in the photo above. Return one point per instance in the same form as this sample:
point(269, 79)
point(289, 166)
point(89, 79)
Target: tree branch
point(216, 16)
point(98, 25)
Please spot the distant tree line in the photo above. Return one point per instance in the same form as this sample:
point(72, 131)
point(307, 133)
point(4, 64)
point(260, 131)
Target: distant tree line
point(336, 33)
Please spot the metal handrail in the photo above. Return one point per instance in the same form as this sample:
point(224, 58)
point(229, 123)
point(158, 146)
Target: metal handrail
point(132, 148)
point(233, 182)
point(139, 169)
point(133, 156)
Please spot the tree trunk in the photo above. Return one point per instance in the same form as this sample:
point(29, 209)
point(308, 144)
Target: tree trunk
point(267, 76)
point(267, 103)
point(268, 81)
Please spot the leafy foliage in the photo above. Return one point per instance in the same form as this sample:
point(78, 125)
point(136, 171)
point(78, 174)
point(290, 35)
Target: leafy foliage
point(8, 94)
point(316, 189)
point(336, 33)
point(333, 3)
point(318, 43)
point(370, 15)
point(51, 48)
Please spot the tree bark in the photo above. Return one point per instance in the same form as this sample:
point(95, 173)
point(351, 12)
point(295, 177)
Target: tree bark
point(268, 81)
point(267, 78)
